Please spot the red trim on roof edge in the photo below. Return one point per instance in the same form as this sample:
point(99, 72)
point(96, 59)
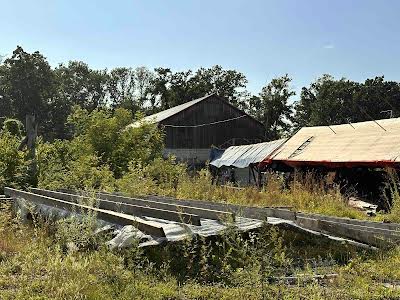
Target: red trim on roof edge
point(330, 164)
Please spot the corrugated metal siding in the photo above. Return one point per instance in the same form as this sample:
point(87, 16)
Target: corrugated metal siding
point(243, 156)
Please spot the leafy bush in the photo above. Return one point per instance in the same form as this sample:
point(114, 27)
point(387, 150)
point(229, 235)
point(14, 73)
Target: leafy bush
point(109, 137)
point(103, 148)
point(14, 127)
point(78, 233)
point(161, 176)
point(70, 164)
point(14, 164)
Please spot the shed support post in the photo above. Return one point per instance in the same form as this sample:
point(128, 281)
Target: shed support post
point(254, 175)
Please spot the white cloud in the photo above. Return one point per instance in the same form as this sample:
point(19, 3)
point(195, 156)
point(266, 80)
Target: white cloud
point(329, 46)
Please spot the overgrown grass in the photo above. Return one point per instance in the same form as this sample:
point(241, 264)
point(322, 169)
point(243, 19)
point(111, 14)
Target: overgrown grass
point(305, 193)
point(35, 265)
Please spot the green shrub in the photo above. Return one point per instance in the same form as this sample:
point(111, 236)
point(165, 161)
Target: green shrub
point(393, 202)
point(70, 164)
point(161, 176)
point(14, 164)
point(109, 137)
point(14, 127)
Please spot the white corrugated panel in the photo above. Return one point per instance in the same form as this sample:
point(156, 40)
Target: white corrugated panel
point(243, 156)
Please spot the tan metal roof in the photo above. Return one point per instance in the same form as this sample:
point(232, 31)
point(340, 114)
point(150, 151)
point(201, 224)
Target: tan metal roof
point(357, 143)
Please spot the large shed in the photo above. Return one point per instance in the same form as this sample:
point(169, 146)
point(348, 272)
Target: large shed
point(193, 127)
point(363, 144)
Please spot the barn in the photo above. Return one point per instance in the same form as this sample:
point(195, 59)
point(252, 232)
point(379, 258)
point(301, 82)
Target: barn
point(195, 126)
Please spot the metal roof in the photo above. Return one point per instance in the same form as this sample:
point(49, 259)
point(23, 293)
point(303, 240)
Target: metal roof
point(372, 143)
point(243, 156)
point(165, 114)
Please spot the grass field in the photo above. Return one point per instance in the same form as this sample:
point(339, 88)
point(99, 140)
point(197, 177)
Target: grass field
point(36, 262)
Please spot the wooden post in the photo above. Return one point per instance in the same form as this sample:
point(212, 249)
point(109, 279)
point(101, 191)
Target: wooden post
point(31, 128)
point(31, 132)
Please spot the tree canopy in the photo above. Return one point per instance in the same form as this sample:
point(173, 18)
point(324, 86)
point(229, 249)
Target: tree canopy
point(29, 85)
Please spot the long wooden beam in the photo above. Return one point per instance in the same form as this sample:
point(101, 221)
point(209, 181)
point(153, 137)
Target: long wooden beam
point(201, 212)
point(127, 208)
point(148, 227)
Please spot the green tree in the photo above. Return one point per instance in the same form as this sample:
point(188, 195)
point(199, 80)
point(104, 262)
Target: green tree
point(14, 127)
point(327, 101)
point(170, 89)
point(330, 101)
point(379, 98)
point(80, 85)
point(143, 85)
point(14, 164)
point(121, 88)
point(77, 84)
point(26, 85)
point(229, 84)
point(130, 88)
point(272, 107)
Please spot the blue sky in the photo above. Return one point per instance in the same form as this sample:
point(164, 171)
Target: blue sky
point(356, 39)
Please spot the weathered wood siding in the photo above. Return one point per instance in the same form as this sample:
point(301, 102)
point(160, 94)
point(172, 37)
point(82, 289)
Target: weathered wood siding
point(210, 110)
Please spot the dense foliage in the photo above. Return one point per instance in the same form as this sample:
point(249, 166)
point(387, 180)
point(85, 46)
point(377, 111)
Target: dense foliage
point(69, 260)
point(28, 85)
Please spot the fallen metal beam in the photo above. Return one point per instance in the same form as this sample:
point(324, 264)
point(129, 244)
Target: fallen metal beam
point(241, 210)
point(262, 212)
point(372, 236)
point(127, 208)
point(381, 225)
point(302, 279)
point(201, 212)
point(372, 233)
point(245, 211)
point(110, 216)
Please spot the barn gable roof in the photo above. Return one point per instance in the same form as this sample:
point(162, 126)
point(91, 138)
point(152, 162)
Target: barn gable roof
point(358, 144)
point(166, 114)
